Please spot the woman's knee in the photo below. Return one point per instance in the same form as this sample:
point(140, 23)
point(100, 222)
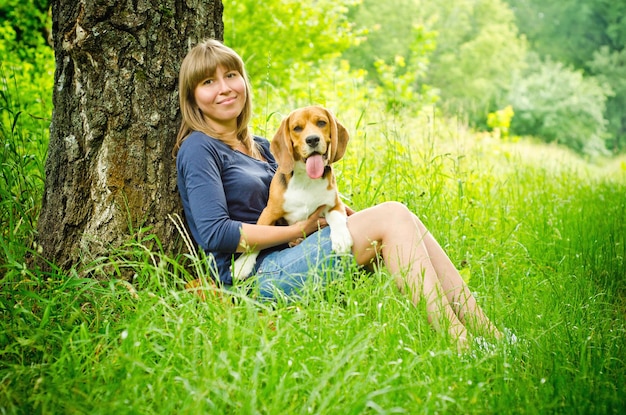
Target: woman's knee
point(376, 222)
point(398, 212)
point(398, 216)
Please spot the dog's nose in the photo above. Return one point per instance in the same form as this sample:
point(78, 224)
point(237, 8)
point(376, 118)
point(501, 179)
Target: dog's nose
point(312, 140)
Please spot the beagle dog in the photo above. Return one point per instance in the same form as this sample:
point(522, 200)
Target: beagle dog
point(307, 142)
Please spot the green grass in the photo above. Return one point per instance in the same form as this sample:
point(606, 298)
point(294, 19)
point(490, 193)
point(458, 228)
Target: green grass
point(539, 234)
point(22, 153)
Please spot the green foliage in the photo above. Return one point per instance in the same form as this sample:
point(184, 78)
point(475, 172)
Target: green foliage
point(24, 28)
point(26, 61)
point(589, 35)
point(478, 52)
point(292, 50)
point(558, 104)
point(571, 31)
point(610, 69)
point(286, 36)
point(26, 79)
point(399, 82)
point(500, 121)
point(383, 33)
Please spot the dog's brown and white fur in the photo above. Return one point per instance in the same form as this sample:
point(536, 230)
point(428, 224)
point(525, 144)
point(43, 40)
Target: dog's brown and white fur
point(294, 195)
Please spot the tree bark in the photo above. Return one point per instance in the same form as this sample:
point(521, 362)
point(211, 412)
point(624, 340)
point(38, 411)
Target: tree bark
point(109, 170)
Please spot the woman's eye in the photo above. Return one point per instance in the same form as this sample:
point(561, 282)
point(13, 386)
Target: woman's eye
point(321, 123)
point(207, 82)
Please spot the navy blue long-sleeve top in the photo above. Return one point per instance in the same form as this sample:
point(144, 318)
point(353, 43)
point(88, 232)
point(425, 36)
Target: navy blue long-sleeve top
point(221, 189)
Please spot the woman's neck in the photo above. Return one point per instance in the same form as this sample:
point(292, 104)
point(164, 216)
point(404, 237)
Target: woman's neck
point(233, 141)
point(229, 136)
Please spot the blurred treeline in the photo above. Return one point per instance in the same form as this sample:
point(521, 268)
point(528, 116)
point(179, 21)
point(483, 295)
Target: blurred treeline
point(553, 69)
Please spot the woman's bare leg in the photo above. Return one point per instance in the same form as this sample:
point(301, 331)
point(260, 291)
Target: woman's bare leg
point(457, 291)
point(391, 230)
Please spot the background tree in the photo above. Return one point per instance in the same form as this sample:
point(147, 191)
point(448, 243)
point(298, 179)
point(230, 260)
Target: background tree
point(383, 32)
point(286, 33)
point(109, 171)
point(609, 67)
point(560, 105)
point(477, 51)
point(588, 35)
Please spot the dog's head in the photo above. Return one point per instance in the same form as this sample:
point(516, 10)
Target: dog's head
point(308, 132)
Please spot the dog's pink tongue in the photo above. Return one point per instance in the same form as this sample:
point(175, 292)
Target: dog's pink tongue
point(315, 166)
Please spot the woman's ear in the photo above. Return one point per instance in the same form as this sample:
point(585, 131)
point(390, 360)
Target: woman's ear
point(282, 148)
point(338, 138)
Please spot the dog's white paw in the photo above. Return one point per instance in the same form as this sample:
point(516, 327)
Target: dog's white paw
point(339, 233)
point(243, 266)
point(341, 240)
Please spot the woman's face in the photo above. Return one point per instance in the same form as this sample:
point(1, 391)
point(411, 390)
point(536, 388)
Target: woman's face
point(221, 99)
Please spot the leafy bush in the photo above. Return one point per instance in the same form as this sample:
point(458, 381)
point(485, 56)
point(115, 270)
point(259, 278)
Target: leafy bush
point(559, 104)
point(610, 68)
point(402, 83)
point(500, 121)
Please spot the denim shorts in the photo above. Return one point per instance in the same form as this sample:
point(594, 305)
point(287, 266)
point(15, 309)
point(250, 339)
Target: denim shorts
point(308, 265)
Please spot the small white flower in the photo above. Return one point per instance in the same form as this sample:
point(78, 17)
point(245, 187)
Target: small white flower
point(124, 334)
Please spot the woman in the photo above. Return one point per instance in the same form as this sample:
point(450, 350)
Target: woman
point(223, 178)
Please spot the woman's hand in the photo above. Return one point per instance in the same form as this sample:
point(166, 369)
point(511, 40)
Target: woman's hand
point(316, 220)
point(312, 224)
point(295, 242)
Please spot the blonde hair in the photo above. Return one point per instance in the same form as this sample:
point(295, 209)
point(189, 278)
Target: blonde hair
point(201, 62)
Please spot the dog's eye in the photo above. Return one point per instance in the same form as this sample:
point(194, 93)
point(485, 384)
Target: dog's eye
point(297, 128)
point(321, 123)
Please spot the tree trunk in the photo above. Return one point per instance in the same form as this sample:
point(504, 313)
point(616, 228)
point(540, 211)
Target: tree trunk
point(110, 170)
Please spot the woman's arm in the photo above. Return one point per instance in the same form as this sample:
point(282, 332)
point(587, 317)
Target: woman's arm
point(263, 236)
point(200, 163)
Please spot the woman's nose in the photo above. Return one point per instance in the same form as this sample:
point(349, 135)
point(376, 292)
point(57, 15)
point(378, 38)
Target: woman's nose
point(224, 85)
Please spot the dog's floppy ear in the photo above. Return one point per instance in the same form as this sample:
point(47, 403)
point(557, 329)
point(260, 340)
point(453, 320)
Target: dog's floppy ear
point(282, 148)
point(338, 138)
